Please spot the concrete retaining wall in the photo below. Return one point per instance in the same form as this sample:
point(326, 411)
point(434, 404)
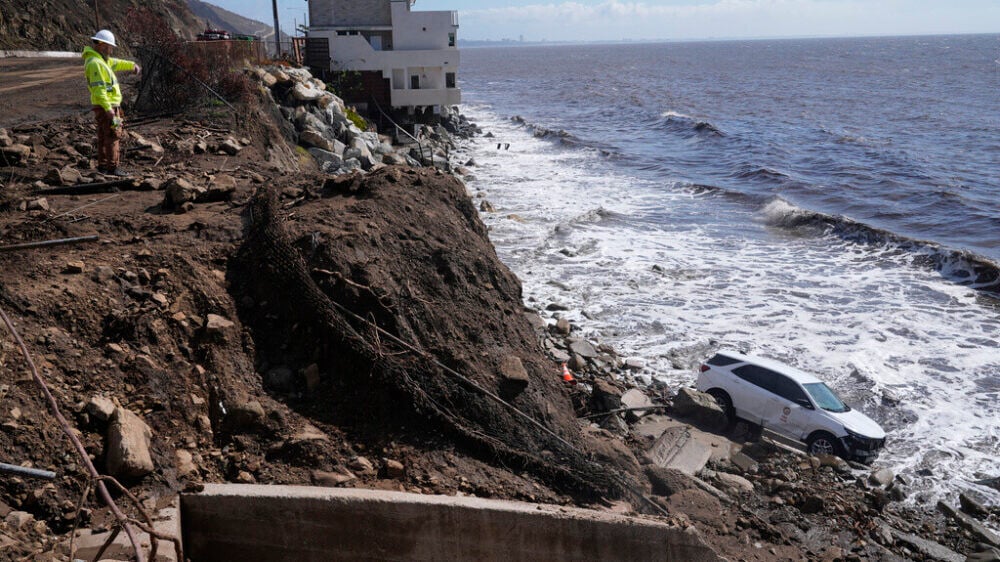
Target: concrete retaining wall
point(276, 523)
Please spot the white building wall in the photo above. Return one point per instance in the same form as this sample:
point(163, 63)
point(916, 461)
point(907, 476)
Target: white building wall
point(420, 43)
point(421, 30)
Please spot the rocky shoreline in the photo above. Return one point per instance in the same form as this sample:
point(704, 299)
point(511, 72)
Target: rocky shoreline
point(201, 346)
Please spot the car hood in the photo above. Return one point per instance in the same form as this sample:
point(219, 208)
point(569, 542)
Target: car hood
point(857, 422)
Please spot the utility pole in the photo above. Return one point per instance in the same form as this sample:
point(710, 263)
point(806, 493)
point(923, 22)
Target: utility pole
point(97, 16)
point(277, 29)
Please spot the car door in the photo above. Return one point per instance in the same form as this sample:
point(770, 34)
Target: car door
point(751, 400)
point(788, 409)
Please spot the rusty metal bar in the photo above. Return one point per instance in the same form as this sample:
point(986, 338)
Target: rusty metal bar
point(47, 243)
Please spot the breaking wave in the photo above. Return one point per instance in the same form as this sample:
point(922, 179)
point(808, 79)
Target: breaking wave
point(681, 123)
point(959, 266)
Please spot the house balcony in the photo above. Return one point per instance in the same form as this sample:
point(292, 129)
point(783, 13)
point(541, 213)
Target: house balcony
point(428, 97)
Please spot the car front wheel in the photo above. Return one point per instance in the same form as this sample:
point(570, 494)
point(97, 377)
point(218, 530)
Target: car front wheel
point(823, 443)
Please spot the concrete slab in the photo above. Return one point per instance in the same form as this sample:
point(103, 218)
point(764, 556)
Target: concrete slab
point(655, 425)
point(278, 523)
point(166, 521)
point(677, 448)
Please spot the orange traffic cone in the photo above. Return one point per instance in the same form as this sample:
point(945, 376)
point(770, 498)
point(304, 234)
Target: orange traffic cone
point(567, 377)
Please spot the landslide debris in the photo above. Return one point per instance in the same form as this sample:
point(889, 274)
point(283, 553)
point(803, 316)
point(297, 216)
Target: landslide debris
point(404, 249)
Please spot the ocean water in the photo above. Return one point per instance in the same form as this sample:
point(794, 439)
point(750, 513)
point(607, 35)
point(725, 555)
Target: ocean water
point(833, 204)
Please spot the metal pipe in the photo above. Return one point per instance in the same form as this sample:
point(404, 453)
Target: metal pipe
point(47, 243)
point(25, 471)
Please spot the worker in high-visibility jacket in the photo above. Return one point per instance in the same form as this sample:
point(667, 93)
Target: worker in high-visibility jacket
point(106, 97)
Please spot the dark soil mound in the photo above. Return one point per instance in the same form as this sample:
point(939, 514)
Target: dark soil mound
point(405, 249)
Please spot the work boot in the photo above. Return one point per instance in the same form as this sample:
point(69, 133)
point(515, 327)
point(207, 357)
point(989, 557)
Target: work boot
point(116, 172)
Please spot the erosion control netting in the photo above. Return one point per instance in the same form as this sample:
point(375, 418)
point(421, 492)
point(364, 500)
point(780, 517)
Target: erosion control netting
point(373, 270)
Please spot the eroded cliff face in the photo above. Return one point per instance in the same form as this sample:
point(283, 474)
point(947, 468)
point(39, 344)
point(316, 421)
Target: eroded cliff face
point(67, 25)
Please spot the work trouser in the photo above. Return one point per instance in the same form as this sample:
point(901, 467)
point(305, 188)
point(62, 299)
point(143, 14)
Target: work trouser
point(108, 137)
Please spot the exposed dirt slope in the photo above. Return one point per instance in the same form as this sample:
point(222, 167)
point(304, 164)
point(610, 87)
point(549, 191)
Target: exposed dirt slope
point(66, 25)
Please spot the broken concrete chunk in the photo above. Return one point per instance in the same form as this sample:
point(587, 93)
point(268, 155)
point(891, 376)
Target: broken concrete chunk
point(635, 398)
point(127, 447)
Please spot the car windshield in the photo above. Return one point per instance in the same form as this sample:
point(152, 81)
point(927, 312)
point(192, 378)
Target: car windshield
point(825, 397)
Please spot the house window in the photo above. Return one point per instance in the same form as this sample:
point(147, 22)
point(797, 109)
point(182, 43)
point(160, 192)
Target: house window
point(451, 39)
point(449, 80)
point(414, 82)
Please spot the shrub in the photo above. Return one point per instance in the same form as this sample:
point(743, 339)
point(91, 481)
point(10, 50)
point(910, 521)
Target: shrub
point(356, 118)
point(178, 74)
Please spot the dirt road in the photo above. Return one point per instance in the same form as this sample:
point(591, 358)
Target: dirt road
point(39, 89)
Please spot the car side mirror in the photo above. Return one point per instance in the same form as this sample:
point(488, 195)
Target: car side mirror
point(805, 404)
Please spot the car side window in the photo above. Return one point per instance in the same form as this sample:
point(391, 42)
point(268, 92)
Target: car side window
point(755, 375)
point(787, 389)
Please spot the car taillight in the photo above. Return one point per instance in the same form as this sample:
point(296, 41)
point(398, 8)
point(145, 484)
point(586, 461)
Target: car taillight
point(704, 368)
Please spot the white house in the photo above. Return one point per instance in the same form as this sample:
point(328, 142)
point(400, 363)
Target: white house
point(405, 57)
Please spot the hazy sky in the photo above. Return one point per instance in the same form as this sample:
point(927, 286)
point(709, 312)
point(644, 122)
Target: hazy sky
point(685, 19)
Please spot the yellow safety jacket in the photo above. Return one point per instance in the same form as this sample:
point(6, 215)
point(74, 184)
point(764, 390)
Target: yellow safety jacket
point(101, 80)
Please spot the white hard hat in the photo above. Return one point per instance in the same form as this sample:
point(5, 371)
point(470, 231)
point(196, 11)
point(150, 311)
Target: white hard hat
point(105, 36)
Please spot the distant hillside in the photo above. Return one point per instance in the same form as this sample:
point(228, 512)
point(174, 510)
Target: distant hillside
point(220, 18)
point(67, 25)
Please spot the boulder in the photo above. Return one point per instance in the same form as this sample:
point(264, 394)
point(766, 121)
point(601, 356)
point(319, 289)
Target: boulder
point(63, 176)
point(243, 416)
point(310, 137)
point(216, 325)
point(150, 146)
point(40, 204)
point(975, 528)
point(14, 154)
point(185, 462)
point(836, 463)
point(928, 549)
point(394, 159)
point(881, 478)
point(126, 450)
point(328, 161)
point(75, 266)
point(394, 468)
point(333, 479)
point(583, 348)
point(5, 139)
point(605, 396)
point(306, 92)
point(179, 191)
point(972, 506)
point(362, 465)
point(230, 146)
point(265, 77)
point(699, 407)
point(734, 484)
point(513, 376)
point(100, 408)
point(221, 188)
point(635, 398)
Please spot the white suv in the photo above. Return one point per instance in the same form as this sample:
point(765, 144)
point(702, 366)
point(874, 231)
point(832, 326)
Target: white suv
point(792, 403)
